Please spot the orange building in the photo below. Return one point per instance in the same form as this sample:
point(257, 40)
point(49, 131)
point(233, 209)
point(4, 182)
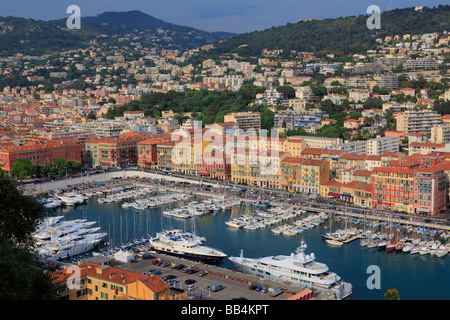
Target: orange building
point(103, 282)
point(40, 152)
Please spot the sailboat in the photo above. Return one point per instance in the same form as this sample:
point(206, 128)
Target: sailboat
point(332, 238)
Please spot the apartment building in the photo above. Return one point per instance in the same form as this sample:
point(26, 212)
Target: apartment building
point(331, 189)
point(414, 184)
point(424, 148)
point(104, 128)
point(440, 133)
point(380, 145)
point(356, 95)
point(389, 81)
point(417, 121)
point(257, 169)
point(40, 152)
point(113, 152)
point(164, 155)
point(421, 63)
point(320, 142)
point(430, 189)
point(290, 119)
point(393, 188)
point(187, 154)
point(215, 163)
point(147, 153)
point(393, 133)
point(313, 174)
point(290, 174)
point(245, 120)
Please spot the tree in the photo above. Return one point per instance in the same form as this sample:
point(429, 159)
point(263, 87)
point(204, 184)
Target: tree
point(267, 117)
point(287, 91)
point(20, 216)
point(92, 115)
point(392, 294)
point(22, 168)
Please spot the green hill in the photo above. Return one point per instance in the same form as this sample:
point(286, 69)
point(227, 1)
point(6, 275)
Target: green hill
point(339, 35)
point(35, 37)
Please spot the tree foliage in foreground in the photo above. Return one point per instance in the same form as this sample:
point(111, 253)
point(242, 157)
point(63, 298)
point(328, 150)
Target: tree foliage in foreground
point(19, 216)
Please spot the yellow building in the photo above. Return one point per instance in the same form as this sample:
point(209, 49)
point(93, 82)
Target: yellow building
point(256, 168)
point(291, 173)
point(313, 174)
point(103, 282)
point(331, 189)
point(187, 154)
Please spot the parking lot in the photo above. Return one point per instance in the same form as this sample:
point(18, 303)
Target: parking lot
point(199, 281)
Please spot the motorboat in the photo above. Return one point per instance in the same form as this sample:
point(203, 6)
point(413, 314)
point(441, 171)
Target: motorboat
point(391, 245)
point(297, 268)
point(187, 249)
point(442, 251)
point(382, 244)
point(334, 242)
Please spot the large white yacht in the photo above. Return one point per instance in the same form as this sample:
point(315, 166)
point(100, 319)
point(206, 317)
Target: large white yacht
point(187, 249)
point(298, 269)
point(59, 239)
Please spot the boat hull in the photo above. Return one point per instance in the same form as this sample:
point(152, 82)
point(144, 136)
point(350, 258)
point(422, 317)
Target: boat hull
point(191, 256)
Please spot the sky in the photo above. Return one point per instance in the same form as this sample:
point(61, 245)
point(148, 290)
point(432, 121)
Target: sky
point(236, 16)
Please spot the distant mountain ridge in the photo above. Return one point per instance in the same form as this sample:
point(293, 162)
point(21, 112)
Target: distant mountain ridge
point(29, 36)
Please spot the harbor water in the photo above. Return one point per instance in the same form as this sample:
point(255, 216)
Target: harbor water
point(416, 277)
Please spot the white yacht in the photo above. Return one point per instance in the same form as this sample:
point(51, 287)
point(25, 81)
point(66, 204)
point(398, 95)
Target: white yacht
point(236, 223)
point(298, 269)
point(59, 239)
point(187, 249)
point(442, 251)
point(178, 234)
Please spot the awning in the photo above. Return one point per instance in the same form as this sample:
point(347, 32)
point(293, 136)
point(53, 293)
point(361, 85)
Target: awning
point(204, 173)
point(333, 194)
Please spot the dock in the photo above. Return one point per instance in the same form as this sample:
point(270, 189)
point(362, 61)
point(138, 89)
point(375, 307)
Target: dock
point(351, 239)
point(379, 218)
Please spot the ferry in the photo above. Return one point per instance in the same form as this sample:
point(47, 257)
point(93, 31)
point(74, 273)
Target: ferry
point(297, 269)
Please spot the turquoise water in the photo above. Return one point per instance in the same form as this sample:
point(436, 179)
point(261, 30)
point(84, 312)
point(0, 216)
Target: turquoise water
point(415, 277)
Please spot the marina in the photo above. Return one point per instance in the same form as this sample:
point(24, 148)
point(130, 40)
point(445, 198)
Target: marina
point(128, 228)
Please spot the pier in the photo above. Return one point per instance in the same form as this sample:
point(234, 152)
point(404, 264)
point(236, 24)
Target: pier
point(379, 218)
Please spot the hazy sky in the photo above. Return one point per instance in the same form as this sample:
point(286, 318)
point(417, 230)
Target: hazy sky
point(210, 15)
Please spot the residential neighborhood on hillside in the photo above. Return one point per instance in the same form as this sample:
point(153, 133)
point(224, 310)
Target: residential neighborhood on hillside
point(147, 125)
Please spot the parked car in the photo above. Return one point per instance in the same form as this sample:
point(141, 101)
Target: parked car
point(191, 287)
point(171, 282)
point(215, 287)
point(189, 281)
